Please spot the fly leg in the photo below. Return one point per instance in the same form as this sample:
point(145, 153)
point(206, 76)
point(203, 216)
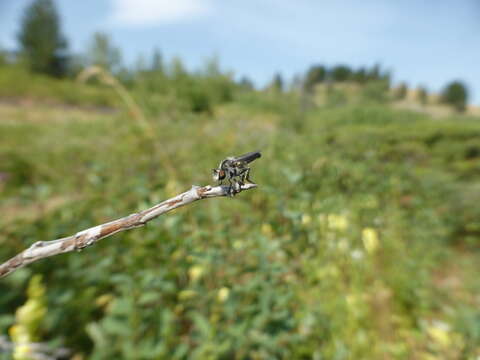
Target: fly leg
point(231, 190)
point(247, 176)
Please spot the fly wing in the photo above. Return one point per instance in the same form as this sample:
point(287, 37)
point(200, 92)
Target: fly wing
point(249, 157)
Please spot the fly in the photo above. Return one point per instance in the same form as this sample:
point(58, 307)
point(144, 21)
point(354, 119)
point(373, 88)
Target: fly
point(236, 171)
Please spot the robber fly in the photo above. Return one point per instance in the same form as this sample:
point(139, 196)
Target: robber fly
point(235, 170)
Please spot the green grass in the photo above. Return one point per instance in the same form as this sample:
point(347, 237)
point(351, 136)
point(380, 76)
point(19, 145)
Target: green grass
point(17, 83)
point(278, 272)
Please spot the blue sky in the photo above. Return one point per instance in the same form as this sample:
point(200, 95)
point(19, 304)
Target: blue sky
point(427, 42)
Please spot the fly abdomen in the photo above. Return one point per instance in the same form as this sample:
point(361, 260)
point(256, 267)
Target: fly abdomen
point(249, 157)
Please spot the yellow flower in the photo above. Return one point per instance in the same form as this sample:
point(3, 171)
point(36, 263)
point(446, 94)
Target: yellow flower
point(195, 272)
point(187, 294)
point(223, 294)
point(322, 219)
point(22, 352)
point(440, 333)
point(103, 300)
point(237, 244)
point(28, 319)
point(427, 356)
point(267, 229)
point(337, 222)
point(352, 300)
point(328, 271)
point(370, 240)
point(343, 245)
point(306, 219)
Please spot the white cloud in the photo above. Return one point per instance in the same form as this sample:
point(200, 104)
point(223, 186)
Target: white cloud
point(156, 12)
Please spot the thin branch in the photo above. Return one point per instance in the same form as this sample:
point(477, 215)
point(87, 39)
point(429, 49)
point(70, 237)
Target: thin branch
point(88, 237)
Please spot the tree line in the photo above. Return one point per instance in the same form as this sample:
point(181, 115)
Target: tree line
point(44, 49)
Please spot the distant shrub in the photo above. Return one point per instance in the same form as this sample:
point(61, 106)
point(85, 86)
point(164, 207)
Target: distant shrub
point(360, 75)
point(157, 61)
point(277, 83)
point(422, 95)
point(245, 83)
point(315, 75)
point(197, 91)
point(103, 53)
point(400, 91)
point(456, 95)
point(197, 99)
point(375, 91)
point(340, 73)
point(336, 97)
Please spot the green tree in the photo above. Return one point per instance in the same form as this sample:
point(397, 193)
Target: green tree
point(315, 75)
point(374, 73)
point(422, 95)
point(41, 41)
point(103, 53)
point(377, 73)
point(456, 95)
point(246, 83)
point(341, 73)
point(401, 91)
point(157, 61)
point(176, 69)
point(360, 75)
point(277, 83)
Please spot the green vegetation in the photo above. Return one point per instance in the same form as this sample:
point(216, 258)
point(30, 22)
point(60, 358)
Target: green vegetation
point(277, 83)
point(422, 95)
point(103, 53)
point(401, 91)
point(456, 94)
point(18, 84)
point(362, 241)
point(319, 74)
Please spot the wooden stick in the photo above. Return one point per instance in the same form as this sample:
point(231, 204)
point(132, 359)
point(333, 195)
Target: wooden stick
point(88, 237)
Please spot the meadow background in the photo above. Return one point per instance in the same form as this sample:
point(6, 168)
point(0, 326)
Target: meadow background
point(361, 241)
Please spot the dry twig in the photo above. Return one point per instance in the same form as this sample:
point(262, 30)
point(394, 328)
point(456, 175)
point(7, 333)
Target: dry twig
point(82, 239)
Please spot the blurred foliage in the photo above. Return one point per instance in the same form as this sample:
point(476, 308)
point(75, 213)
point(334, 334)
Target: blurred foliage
point(341, 73)
point(315, 75)
point(103, 53)
point(362, 241)
point(17, 84)
point(400, 92)
point(277, 84)
point(456, 94)
point(422, 95)
point(319, 74)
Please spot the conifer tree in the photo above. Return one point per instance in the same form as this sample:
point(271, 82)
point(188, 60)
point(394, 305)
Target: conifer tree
point(41, 41)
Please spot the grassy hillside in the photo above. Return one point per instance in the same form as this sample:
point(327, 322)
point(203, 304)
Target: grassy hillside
point(362, 241)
